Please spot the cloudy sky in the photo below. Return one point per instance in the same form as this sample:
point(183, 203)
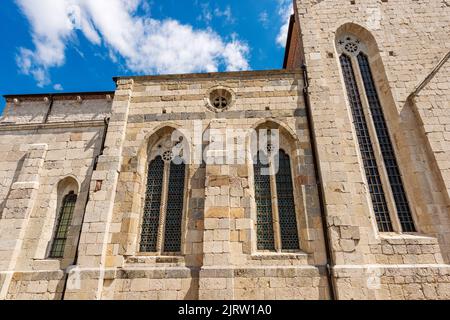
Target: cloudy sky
point(79, 45)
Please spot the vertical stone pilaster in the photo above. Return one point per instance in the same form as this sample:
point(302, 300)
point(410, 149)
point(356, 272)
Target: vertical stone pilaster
point(17, 211)
point(217, 273)
point(86, 280)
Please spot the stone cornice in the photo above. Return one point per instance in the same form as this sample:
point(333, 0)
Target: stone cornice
point(60, 96)
point(51, 125)
point(213, 75)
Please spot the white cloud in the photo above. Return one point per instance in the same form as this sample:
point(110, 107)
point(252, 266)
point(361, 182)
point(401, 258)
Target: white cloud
point(208, 14)
point(264, 19)
point(234, 54)
point(225, 13)
point(285, 10)
point(146, 45)
point(58, 87)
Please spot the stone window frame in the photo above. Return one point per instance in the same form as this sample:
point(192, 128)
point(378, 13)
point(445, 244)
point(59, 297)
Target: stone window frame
point(162, 146)
point(290, 147)
point(64, 187)
point(210, 104)
point(360, 46)
point(69, 201)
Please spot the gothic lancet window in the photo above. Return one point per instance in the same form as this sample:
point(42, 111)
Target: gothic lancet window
point(276, 221)
point(163, 206)
point(264, 218)
point(172, 238)
point(387, 150)
point(286, 206)
point(356, 69)
point(152, 206)
point(63, 225)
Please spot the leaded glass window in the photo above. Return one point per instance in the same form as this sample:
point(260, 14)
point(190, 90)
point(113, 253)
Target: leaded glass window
point(152, 206)
point(264, 218)
point(286, 206)
point(356, 59)
point(172, 238)
point(63, 225)
point(387, 150)
point(274, 198)
point(365, 144)
point(163, 207)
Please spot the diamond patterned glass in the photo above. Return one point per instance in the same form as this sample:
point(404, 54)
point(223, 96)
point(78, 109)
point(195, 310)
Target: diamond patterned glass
point(152, 206)
point(286, 206)
point(64, 221)
point(365, 144)
point(387, 149)
point(172, 238)
point(264, 221)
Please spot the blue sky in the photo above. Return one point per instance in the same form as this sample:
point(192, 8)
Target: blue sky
point(79, 45)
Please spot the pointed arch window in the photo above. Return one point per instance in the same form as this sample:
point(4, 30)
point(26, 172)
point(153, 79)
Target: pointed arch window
point(163, 206)
point(286, 205)
point(389, 199)
point(63, 225)
point(152, 206)
point(264, 214)
point(276, 219)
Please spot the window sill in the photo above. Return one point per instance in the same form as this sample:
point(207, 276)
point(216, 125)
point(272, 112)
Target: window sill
point(46, 264)
point(407, 238)
point(146, 259)
point(279, 256)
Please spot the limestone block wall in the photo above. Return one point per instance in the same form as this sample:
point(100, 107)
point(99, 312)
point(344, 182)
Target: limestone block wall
point(87, 109)
point(394, 282)
point(34, 109)
point(44, 162)
point(406, 40)
point(433, 107)
point(219, 249)
point(25, 111)
point(49, 144)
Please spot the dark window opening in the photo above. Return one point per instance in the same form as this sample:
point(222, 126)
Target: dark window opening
point(365, 144)
point(64, 222)
point(386, 147)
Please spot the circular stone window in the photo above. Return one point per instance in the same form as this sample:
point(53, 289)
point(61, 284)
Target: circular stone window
point(220, 99)
point(167, 156)
point(350, 44)
point(351, 47)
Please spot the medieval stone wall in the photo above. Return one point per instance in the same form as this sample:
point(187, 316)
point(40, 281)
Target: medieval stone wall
point(219, 259)
point(37, 162)
point(406, 40)
point(48, 149)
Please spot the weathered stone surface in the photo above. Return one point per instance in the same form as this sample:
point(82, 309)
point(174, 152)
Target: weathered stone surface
point(40, 163)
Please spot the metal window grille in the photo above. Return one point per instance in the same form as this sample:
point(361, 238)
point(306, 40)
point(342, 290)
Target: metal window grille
point(365, 144)
point(152, 206)
point(286, 206)
point(387, 149)
point(172, 238)
point(264, 220)
point(64, 221)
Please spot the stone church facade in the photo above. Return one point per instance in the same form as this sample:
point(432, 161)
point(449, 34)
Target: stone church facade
point(136, 194)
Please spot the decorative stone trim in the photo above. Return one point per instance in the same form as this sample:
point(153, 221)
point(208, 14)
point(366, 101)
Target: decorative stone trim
point(54, 125)
point(350, 45)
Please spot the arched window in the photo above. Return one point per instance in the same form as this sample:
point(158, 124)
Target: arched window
point(286, 205)
point(152, 206)
point(264, 214)
point(63, 225)
point(276, 220)
point(163, 207)
point(174, 214)
point(384, 182)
